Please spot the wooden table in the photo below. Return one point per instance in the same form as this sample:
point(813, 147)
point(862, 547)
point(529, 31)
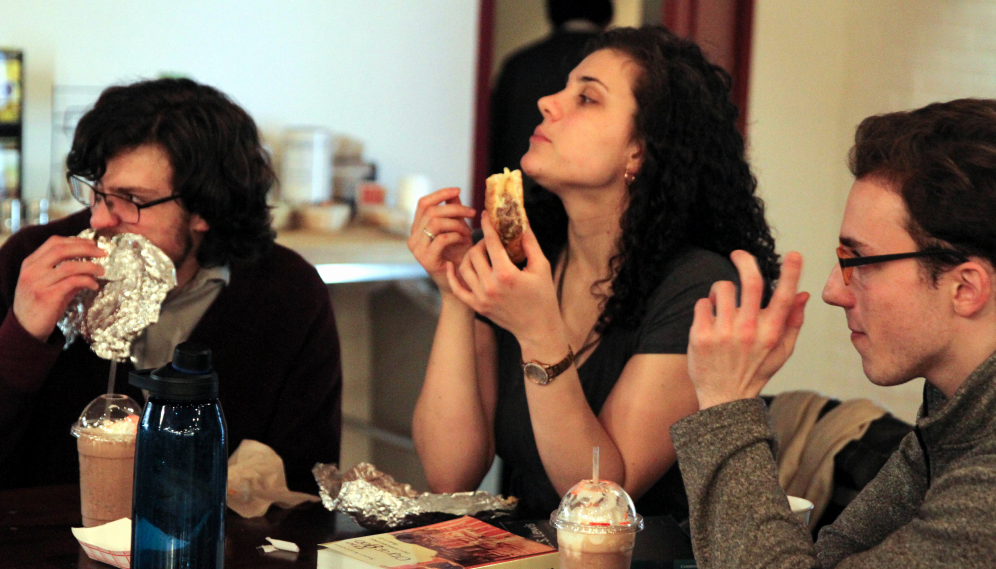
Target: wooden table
point(35, 534)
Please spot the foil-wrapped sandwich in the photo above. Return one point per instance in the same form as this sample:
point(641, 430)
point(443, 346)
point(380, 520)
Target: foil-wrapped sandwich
point(137, 276)
point(376, 501)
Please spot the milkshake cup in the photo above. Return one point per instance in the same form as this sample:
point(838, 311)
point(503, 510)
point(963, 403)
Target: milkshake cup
point(596, 526)
point(105, 439)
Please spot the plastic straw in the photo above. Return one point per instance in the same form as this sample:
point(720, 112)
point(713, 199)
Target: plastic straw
point(594, 464)
point(112, 376)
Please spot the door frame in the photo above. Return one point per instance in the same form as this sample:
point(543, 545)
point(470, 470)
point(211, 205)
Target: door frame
point(681, 16)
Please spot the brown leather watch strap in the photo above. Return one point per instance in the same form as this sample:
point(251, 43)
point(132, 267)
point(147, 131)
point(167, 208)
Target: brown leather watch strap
point(543, 374)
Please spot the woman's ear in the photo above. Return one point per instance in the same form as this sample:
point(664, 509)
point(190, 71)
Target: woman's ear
point(972, 288)
point(634, 160)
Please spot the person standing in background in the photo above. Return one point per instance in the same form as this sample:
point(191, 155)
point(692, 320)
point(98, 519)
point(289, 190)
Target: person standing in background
point(538, 70)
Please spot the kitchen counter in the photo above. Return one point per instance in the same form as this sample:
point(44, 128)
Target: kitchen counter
point(358, 253)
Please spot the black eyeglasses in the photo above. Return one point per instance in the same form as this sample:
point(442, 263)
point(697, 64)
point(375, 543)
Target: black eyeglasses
point(124, 207)
point(848, 261)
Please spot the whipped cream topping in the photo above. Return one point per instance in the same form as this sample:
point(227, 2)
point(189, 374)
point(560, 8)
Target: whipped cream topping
point(595, 507)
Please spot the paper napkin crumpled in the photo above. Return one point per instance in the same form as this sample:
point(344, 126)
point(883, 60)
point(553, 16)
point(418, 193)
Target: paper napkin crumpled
point(256, 480)
point(109, 543)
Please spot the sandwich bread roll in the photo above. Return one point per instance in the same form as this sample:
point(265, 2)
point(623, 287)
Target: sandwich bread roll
point(503, 202)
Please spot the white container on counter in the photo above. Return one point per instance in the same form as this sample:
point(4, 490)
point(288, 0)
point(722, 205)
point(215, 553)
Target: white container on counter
point(411, 188)
point(306, 165)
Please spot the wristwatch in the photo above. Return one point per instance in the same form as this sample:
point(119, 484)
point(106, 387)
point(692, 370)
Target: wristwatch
point(542, 374)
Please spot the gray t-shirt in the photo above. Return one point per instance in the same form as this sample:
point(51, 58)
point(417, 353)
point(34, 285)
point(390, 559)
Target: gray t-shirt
point(663, 330)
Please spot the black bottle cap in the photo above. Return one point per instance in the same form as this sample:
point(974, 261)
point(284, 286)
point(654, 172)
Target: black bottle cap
point(189, 377)
point(192, 358)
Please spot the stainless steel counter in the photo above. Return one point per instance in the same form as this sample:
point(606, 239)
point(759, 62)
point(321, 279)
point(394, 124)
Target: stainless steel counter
point(355, 254)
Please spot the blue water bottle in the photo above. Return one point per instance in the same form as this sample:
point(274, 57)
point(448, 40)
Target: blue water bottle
point(181, 466)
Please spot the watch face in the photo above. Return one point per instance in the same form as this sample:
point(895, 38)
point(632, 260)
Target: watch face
point(535, 373)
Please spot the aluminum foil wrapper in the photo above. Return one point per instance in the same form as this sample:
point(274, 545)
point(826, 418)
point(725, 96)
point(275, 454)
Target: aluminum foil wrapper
point(137, 276)
point(377, 502)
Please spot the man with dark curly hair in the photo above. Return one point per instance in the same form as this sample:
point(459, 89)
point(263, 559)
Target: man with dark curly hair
point(917, 282)
point(182, 165)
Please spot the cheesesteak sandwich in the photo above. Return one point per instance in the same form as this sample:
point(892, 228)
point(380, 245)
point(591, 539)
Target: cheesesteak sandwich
point(503, 202)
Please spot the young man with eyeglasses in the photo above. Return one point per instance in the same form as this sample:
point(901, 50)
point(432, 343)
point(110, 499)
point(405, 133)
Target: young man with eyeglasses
point(917, 283)
point(182, 165)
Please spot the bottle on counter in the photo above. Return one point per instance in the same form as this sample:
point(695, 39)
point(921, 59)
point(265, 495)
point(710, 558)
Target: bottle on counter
point(181, 465)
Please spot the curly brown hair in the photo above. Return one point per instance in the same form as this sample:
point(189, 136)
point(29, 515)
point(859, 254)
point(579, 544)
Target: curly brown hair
point(695, 188)
point(220, 168)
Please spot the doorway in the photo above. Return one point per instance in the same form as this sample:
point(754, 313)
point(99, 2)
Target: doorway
point(722, 27)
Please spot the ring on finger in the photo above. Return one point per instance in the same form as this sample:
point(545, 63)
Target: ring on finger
point(428, 234)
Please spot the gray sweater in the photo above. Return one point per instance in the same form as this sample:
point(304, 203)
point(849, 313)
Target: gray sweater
point(932, 505)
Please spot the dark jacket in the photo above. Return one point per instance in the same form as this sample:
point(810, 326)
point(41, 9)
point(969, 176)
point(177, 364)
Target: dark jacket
point(930, 506)
point(274, 345)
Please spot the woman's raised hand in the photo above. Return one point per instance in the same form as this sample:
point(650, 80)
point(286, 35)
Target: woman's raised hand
point(524, 302)
point(440, 233)
point(734, 350)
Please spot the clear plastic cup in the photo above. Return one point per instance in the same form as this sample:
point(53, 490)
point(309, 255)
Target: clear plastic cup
point(105, 439)
point(596, 526)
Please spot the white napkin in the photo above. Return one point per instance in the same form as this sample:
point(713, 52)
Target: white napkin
point(280, 545)
point(109, 543)
point(256, 480)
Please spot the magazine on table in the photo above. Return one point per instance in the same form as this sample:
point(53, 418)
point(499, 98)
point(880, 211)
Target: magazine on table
point(463, 543)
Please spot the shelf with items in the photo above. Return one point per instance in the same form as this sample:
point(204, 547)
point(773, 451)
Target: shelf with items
point(11, 122)
point(356, 254)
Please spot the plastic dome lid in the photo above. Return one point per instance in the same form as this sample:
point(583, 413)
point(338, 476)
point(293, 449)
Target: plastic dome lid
point(112, 413)
point(597, 507)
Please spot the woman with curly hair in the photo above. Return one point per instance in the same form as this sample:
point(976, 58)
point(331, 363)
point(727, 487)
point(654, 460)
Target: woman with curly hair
point(645, 192)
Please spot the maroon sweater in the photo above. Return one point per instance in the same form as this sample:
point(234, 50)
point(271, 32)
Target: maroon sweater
point(274, 345)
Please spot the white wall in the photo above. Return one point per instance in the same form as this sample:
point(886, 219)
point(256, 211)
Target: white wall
point(818, 68)
point(398, 75)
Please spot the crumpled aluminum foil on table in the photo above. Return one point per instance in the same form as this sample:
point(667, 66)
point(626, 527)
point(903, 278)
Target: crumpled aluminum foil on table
point(137, 276)
point(376, 501)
